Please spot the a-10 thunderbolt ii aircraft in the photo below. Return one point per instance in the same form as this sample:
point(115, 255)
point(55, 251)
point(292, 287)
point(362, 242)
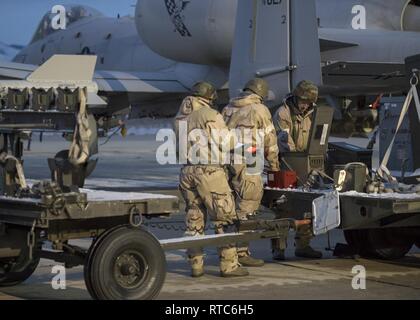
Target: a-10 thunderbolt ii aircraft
point(351, 48)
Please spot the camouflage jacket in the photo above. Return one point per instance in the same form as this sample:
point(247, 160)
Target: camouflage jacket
point(188, 105)
point(248, 112)
point(208, 140)
point(293, 128)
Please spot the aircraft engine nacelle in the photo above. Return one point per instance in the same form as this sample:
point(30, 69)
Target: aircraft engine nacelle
point(190, 31)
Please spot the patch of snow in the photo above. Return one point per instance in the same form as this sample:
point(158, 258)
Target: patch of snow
point(96, 183)
point(147, 126)
point(300, 190)
point(98, 195)
point(392, 196)
point(198, 238)
point(395, 195)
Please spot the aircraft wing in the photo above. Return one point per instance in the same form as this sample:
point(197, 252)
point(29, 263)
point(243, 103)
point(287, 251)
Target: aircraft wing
point(138, 82)
point(110, 81)
point(15, 71)
point(354, 61)
point(364, 77)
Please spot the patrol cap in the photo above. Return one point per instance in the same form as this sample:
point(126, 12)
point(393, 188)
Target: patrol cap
point(259, 87)
point(204, 90)
point(306, 90)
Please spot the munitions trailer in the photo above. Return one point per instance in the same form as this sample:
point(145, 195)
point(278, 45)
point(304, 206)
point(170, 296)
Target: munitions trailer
point(125, 261)
point(382, 226)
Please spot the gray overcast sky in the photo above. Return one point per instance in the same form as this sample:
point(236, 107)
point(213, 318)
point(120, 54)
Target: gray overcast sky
point(19, 18)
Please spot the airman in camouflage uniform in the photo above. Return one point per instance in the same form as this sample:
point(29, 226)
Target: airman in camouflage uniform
point(248, 112)
point(203, 181)
point(293, 123)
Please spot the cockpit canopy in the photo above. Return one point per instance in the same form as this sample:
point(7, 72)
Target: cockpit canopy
point(74, 13)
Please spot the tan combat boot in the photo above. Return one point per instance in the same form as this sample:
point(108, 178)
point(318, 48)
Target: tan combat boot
point(197, 272)
point(238, 272)
point(229, 266)
point(197, 266)
point(248, 261)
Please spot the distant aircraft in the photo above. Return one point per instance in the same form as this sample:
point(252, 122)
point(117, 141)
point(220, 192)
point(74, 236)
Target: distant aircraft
point(128, 72)
point(354, 50)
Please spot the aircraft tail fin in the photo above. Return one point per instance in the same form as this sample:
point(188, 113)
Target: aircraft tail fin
point(276, 40)
point(65, 68)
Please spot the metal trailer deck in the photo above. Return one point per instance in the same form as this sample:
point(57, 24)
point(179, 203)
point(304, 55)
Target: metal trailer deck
point(73, 208)
point(358, 210)
point(376, 225)
point(124, 261)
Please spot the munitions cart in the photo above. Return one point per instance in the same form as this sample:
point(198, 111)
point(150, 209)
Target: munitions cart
point(381, 226)
point(125, 261)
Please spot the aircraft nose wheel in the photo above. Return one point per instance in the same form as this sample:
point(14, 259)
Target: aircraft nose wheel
point(125, 264)
point(130, 269)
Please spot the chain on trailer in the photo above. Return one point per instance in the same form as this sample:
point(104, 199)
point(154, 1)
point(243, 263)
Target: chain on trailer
point(178, 226)
point(32, 240)
point(259, 224)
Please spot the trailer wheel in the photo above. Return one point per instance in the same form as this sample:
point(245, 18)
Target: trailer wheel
point(16, 272)
point(127, 264)
point(89, 257)
point(386, 244)
point(87, 267)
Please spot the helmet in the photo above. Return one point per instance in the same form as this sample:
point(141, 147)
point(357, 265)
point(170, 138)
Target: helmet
point(306, 90)
point(258, 86)
point(204, 90)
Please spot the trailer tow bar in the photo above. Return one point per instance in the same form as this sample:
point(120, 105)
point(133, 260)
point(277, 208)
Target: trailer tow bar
point(249, 230)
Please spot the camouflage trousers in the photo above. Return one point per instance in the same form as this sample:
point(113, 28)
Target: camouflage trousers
point(207, 194)
point(303, 239)
point(249, 192)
